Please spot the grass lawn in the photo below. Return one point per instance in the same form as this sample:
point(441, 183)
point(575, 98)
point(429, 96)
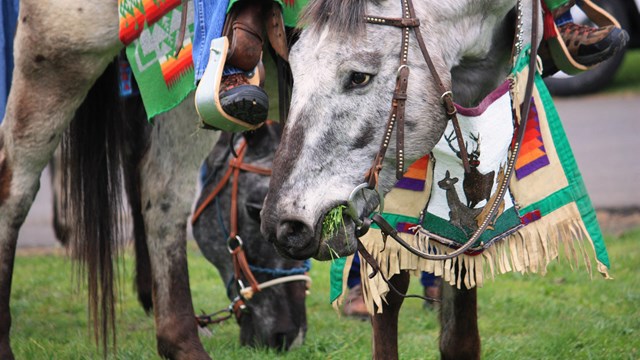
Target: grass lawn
point(564, 315)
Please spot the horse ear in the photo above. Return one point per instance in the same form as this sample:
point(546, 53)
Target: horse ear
point(447, 174)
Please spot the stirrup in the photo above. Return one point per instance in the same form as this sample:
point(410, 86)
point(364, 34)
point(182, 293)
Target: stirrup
point(207, 97)
point(558, 49)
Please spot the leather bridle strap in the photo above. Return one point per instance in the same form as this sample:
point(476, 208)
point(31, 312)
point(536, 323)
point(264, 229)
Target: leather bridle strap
point(397, 114)
point(241, 267)
point(183, 27)
point(388, 230)
point(235, 166)
point(446, 96)
point(240, 263)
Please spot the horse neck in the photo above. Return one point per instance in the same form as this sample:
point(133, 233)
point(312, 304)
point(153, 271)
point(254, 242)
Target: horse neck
point(479, 41)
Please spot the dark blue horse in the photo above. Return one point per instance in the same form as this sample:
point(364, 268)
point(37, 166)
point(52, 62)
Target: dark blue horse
point(275, 316)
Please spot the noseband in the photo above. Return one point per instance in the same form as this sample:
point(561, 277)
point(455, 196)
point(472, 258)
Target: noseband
point(242, 270)
point(407, 23)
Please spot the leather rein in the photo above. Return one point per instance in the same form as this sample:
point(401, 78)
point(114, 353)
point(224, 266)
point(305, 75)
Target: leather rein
point(241, 267)
point(407, 23)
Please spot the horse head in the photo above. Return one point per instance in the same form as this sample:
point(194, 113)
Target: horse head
point(345, 72)
point(276, 316)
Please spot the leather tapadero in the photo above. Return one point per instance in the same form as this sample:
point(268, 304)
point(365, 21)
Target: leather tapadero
point(276, 32)
point(244, 27)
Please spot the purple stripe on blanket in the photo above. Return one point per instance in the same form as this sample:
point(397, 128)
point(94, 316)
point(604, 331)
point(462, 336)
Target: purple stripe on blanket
point(405, 227)
point(410, 184)
point(532, 166)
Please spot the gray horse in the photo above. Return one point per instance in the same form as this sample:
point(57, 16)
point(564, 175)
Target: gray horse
point(345, 73)
point(276, 316)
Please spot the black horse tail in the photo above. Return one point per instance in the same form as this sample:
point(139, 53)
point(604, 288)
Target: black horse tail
point(95, 160)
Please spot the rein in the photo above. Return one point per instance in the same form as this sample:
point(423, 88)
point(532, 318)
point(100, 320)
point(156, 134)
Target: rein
point(241, 267)
point(407, 22)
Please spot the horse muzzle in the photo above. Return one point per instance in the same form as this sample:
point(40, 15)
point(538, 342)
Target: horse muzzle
point(296, 238)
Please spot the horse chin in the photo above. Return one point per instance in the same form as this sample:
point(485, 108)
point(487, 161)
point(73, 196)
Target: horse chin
point(342, 244)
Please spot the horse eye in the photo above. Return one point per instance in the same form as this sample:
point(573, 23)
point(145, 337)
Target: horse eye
point(359, 79)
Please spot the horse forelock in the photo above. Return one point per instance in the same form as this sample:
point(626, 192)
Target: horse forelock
point(339, 16)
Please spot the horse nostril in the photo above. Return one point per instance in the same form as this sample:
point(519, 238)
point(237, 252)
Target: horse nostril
point(291, 228)
point(296, 238)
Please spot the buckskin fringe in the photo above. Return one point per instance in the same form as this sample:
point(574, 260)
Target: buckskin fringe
point(529, 250)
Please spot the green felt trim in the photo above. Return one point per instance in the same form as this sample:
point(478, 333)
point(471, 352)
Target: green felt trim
point(577, 191)
point(335, 277)
point(554, 4)
point(509, 219)
point(553, 202)
point(439, 226)
point(523, 60)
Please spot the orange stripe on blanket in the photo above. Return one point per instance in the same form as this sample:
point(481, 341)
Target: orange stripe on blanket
point(132, 25)
point(531, 145)
point(173, 69)
point(524, 159)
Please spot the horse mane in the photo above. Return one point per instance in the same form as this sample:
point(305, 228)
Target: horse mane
point(339, 16)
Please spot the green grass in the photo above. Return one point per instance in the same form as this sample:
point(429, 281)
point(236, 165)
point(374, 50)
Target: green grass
point(627, 79)
point(564, 315)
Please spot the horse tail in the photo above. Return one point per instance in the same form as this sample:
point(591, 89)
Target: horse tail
point(92, 158)
point(136, 135)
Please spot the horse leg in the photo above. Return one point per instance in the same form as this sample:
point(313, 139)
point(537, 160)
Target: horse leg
point(459, 335)
point(55, 67)
point(168, 183)
point(385, 325)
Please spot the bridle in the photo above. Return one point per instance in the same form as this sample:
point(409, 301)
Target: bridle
point(407, 23)
point(242, 270)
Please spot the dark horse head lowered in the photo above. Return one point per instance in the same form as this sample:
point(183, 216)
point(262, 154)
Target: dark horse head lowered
point(275, 317)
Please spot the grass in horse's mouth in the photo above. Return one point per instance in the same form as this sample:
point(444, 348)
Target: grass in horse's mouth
point(331, 224)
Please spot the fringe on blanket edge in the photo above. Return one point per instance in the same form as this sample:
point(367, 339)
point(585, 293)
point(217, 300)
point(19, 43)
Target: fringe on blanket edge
point(529, 250)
